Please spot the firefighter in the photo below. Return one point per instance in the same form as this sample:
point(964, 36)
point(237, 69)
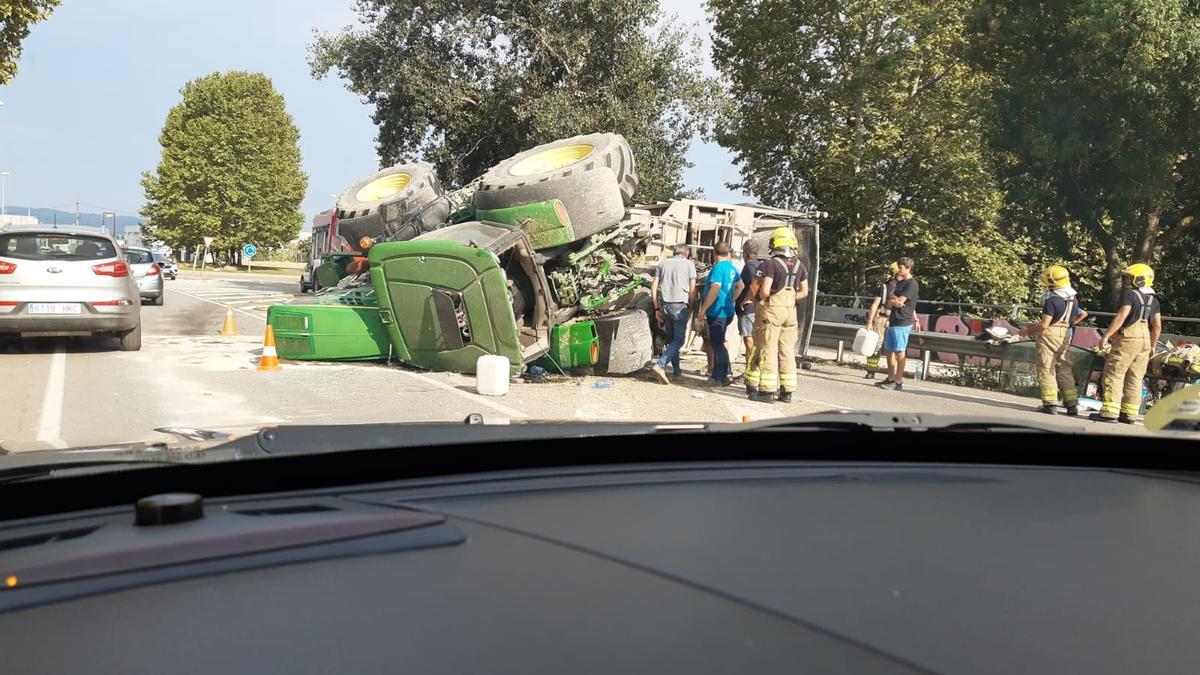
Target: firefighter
point(1134, 332)
point(1053, 340)
point(780, 283)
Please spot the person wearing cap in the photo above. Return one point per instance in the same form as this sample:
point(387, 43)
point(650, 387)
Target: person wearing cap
point(780, 283)
point(1134, 331)
point(877, 316)
point(745, 311)
point(1059, 313)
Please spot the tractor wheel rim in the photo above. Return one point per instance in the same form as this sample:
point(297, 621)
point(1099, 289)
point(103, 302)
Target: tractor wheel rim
point(383, 187)
point(552, 160)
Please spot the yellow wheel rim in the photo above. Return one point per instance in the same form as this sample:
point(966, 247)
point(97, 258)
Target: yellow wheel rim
point(383, 187)
point(550, 160)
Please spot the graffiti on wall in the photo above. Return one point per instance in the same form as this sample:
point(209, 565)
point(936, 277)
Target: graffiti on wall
point(1084, 338)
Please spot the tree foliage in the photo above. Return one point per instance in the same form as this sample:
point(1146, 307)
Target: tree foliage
point(868, 110)
point(16, 17)
point(230, 167)
point(1097, 115)
point(463, 84)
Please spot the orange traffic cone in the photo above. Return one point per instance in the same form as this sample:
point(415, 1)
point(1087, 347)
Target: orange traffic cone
point(230, 328)
point(269, 360)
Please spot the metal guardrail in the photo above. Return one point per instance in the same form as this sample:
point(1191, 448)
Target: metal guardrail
point(927, 343)
point(1013, 311)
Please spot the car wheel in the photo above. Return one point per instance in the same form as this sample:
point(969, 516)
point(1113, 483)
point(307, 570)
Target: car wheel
point(594, 177)
point(159, 300)
point(131, 340)
point(384, 197)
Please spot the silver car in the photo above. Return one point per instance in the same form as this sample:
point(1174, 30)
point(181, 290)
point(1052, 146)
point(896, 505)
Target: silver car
point(67, 282)
point(146, 272)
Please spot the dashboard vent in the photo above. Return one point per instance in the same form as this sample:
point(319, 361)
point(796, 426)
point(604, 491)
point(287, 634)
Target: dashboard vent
point(287, 510)
point(45, 538)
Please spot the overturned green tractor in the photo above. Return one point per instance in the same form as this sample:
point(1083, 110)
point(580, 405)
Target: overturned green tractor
point(544, 259)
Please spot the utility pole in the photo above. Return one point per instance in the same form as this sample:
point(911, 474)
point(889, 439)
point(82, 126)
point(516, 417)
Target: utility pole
point(76, 209)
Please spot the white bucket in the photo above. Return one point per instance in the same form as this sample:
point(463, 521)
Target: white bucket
point(865, 342)
point(491, 375)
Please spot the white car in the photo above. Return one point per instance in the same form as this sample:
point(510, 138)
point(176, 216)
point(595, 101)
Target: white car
point(169, 269)
point(67, 282)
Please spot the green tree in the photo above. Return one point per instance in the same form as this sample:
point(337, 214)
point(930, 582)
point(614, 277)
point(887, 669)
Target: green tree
point(463, 84)
point(1096, 107)
point(230, 167)
point(868, 110)
point(16, 16)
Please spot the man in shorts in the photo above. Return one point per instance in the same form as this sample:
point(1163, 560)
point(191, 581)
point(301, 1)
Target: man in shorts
point(904, 312)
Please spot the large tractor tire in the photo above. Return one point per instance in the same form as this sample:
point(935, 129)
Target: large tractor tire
point(384, 198)
point(626, 342)
point(594, 177)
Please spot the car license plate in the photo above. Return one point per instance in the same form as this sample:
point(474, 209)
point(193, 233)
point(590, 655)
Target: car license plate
point(54, 308)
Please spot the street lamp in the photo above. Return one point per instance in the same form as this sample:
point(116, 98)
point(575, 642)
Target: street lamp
point(108, 214)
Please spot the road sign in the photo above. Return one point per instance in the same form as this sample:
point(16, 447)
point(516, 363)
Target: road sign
point(208, 241)
point(249, 250)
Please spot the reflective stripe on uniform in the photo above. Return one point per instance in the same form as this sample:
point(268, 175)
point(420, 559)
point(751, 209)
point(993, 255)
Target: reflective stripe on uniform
point(1124, 370)
point(1054, 366)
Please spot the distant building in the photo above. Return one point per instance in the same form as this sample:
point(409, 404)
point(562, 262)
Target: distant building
point(19, 221)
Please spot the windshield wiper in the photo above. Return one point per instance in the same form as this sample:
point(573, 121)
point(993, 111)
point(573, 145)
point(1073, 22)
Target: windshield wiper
point(75, 466)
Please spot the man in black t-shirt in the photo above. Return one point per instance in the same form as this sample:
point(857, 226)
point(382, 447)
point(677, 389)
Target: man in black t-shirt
point(904, 311)
point(745, 301)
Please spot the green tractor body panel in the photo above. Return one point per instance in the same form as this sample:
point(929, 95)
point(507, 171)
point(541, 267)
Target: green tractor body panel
point(572, 345)
point(329, 332)
point(546, 223)
point(444, 298)
point(333, 268)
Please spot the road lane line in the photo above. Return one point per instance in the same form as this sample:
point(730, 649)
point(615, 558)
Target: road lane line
point(474, 398)
point(254, 315)
point(50, 421)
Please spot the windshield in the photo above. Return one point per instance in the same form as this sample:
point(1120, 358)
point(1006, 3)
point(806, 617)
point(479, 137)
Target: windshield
point(138, 257)
point(660, 211)
point(33, 246)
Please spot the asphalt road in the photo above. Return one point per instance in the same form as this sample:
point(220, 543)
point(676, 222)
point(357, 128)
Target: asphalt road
point(69, 392)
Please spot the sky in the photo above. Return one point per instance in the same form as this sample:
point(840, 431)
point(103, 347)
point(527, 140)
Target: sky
point(96, 80)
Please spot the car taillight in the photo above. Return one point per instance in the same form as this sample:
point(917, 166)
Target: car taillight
point(112, 269)
point(113, 303)
point(7, 267)
point(153, 270)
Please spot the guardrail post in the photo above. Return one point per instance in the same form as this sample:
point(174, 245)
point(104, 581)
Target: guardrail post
point(1016, 313)
point(841, 348)
point(926, 357)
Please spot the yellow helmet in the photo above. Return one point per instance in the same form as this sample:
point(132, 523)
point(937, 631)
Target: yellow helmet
point(784, 238)
point(1140, 275)
point(1056, 277)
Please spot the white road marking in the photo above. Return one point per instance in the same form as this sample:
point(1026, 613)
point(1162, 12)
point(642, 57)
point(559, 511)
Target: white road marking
point(474, 398)
point(254, 315)
point(952, 394)
point(50, 422)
